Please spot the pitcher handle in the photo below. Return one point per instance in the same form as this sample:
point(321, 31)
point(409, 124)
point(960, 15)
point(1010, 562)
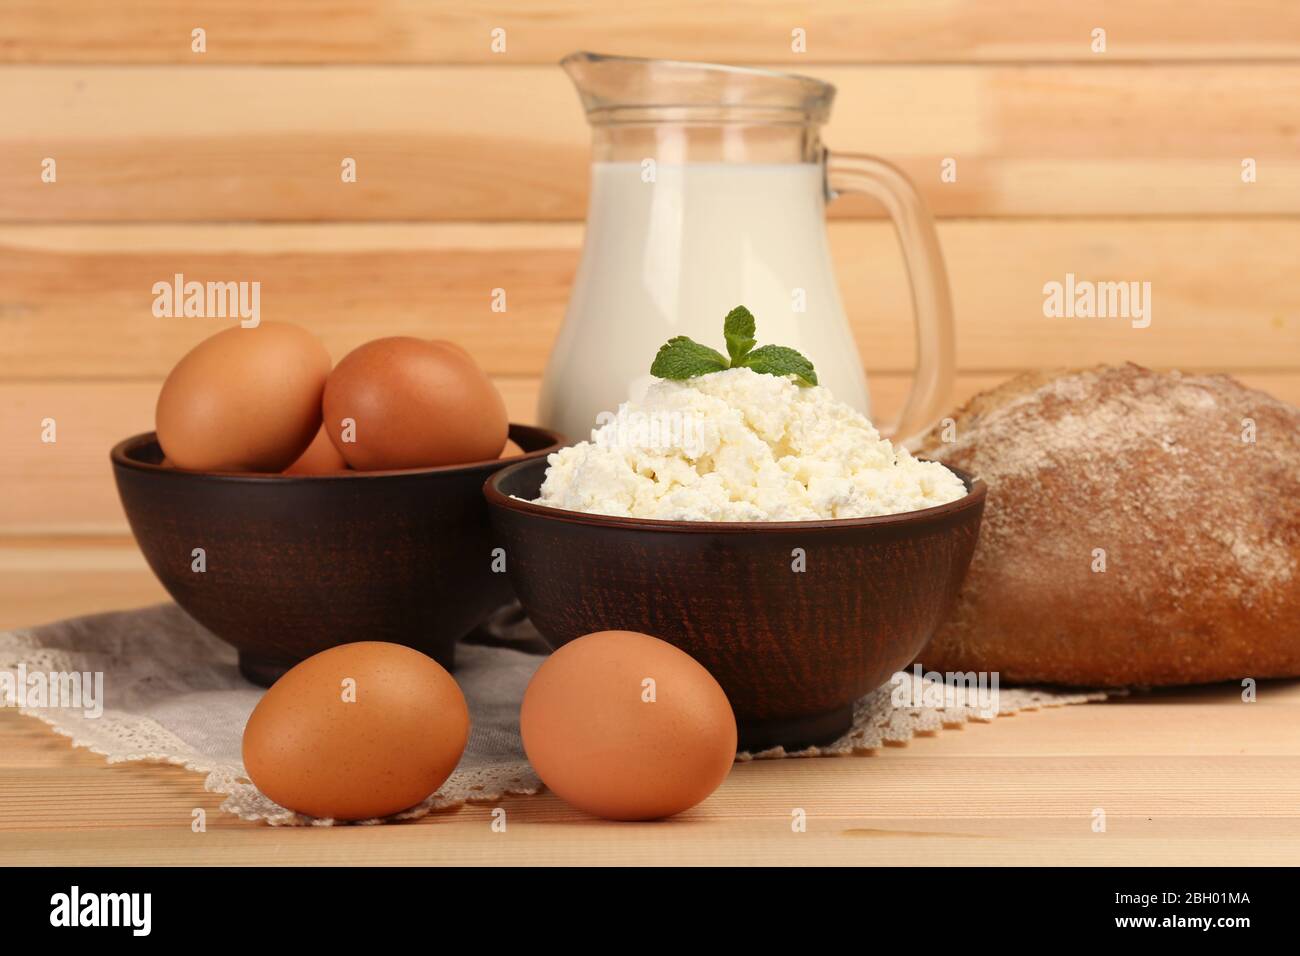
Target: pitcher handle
point(931, 300)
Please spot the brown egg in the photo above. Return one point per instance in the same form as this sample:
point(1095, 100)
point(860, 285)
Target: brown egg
point(452, 346)
point(412, 404)
point(511, 450)
point(358, 731)
point(243, 400)
point(320, 458)
point(627, 727)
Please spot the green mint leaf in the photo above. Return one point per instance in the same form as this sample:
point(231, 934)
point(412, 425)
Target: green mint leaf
point(779, 360)
point(681, 358)
point(738, 329)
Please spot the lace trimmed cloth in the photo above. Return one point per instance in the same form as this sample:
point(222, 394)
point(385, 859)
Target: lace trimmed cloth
point(172, 693)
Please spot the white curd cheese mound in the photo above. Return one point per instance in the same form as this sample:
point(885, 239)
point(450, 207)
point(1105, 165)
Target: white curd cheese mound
point(741, 446)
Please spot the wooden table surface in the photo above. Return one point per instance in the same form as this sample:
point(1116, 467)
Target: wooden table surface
point(1186, 777)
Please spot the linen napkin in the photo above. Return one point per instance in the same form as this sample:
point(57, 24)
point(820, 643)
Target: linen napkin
point(171, 692)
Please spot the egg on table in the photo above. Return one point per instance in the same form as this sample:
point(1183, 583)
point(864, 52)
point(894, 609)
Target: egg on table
point(357, 731)
point(243, 400)
point(627, 727)
point(404, 402)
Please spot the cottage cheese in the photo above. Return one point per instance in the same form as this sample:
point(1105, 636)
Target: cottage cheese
point(741, 446)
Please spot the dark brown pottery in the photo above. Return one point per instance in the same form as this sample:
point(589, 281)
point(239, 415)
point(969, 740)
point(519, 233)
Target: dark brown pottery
point(295, 565)
point(792, 649)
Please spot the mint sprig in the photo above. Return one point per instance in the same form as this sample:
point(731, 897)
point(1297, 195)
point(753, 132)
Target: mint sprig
point(738, 329)
point(681, 357)
point(779, 360)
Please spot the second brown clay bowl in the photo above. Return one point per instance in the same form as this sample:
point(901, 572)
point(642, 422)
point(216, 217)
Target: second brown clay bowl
point(292, 565)
point(793, 649)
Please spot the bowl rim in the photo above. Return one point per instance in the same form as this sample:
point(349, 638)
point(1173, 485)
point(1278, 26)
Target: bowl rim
point(976, 490)
point(120, 455)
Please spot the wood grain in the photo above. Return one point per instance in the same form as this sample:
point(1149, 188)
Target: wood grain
point(116, 836)
point(510, 142)
point(405, 31)
point(44, 579)
point(1019, 790)
point(76, 301)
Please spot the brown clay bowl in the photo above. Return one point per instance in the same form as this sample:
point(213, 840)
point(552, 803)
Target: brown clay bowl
point(295, 565)
point(793, 650)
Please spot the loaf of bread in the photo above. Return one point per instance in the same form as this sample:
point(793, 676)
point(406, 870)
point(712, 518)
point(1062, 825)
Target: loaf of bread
point(1141, 528)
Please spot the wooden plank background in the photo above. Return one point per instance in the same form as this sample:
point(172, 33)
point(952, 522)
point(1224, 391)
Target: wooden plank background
point(224, 165)
point(542, 31)
point(509, 142)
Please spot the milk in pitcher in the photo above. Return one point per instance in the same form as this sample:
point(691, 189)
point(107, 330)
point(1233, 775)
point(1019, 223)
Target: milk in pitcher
point(669, 250)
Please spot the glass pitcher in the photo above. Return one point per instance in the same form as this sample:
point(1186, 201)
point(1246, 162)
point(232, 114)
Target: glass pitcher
point(708, 190)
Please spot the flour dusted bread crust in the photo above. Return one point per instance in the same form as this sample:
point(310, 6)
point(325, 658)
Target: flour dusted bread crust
point(1199, 531)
